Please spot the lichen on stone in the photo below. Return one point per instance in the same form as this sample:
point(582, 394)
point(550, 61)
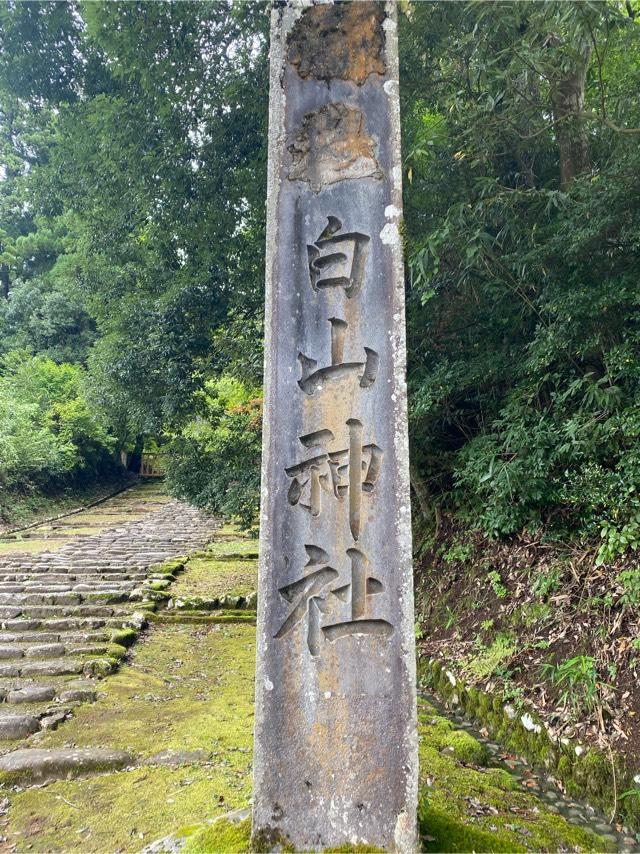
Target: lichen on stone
point(333, 145)
point(342, 41)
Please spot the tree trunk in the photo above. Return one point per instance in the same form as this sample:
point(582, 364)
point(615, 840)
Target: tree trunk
point(135, 460)
point(4, 280)
point(567, 95)
point(426, 505)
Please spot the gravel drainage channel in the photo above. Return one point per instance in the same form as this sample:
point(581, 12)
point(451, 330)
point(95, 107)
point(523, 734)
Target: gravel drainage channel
point(545, 787)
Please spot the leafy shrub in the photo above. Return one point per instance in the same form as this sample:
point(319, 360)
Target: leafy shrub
point(47, 430)
point(458, 552)
point(616, 541)
point(547, 582)
point(497, 586)
point(215, 461)
point(630, 581)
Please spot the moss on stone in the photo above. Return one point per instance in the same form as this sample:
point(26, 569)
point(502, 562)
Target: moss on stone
point(449, 788)
point(100, 667)
point(117, 651)
point(160, 585)
point(124, 637)
point(221, 837)
point(169, 567)
point(466, 748)
point(588, 776)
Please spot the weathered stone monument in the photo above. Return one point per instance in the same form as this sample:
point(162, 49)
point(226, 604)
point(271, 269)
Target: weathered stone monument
point(335, 748)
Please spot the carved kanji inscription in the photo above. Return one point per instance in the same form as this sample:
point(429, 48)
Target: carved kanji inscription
point(337, 259)
point(343, 474)
point(313, 378)
point(311, 595)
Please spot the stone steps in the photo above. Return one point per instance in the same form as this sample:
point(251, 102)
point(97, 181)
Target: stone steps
point(70, 585)
point(46, 667)
point(59, 609)
point(54, 637)
point(43, 612)
point(33, 765)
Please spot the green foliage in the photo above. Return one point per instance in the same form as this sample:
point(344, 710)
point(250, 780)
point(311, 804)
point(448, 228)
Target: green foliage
point(458, 552)
point(487, 660)
point(629, 579)
point(494, 579)
point(215, 460)
point(616, 541)
point(132, 219)
point(47, 430)
point(133, 142)
point(578, 680)
point(522, 307)
point(547, 582)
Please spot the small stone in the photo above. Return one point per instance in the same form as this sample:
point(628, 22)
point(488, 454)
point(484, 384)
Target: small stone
point(51, 722)
point(31, 694)
point(10, 652)
point(78, 694)
point(18, 726)
point(99, 667)
point(174, 758)
point(529, 724)
point(49, 650)
point(9, 670)
point(37, 765)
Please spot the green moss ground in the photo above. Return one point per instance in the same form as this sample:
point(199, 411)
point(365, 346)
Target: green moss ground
point(210, 578)
point(187, 688)
point(466, 806)
point(29, 546)
point(245, 548)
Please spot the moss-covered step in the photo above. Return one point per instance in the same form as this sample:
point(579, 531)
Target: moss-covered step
point(186, 695)
point(210, 578)
point(36, 765)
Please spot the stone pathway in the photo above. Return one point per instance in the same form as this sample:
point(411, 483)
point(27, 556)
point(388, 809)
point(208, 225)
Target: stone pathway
point(168, 741)
point(67, 613)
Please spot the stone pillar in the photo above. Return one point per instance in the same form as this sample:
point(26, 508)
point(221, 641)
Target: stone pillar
point(335, 745)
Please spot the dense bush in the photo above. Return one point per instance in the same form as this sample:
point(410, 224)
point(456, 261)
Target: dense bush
point(215, 461)
point(524, 253)
point(47, 431)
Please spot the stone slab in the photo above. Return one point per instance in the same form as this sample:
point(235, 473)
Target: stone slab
point(336, 744)
point(38, 765)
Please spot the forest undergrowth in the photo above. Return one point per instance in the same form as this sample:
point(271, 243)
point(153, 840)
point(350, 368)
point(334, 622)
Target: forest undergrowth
point(539, 622)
